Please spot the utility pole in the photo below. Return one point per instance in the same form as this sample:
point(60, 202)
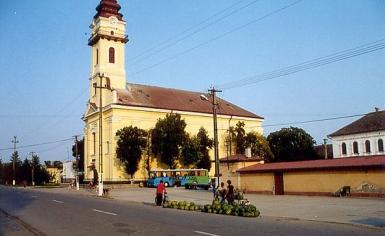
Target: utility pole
point(325, 148)
point(101, 87)
point(33, 154)
point(77, 162)
point(14, 141)
point(213, 92)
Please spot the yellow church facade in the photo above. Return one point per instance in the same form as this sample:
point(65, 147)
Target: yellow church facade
point(118, 104)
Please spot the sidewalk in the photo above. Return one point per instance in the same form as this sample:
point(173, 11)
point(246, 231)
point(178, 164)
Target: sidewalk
point(359, 211)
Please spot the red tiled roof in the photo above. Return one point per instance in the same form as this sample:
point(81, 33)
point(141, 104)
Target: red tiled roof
point(368, 161)
point(240, 157)
point(107, 8)
point(174, 99)
point(374, 121)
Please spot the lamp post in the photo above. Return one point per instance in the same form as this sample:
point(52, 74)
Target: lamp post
point(14, 141)
point(33, 154)
point(214, 103)
point(101, 87)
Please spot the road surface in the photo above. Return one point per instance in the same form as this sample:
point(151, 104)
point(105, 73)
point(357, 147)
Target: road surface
point(46, 213)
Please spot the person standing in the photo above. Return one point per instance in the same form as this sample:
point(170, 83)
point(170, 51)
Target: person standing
point(160, 191)
point(230, 192)
point(222, 192)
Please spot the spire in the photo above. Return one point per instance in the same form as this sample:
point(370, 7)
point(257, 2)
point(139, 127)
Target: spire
point(107, 8)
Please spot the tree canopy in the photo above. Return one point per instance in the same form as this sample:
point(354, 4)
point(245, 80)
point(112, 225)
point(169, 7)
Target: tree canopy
point(259, 146)
point(131, 142)
point(291, 144)
point(167, 138)
point(80, 152)
point(195, 151)
point(23, 171)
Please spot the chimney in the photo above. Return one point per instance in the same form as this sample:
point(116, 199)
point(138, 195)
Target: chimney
point(248, 152)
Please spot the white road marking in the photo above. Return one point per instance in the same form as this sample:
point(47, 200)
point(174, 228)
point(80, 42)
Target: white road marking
point(57, 201)
point(205, 233)
point(105, 212)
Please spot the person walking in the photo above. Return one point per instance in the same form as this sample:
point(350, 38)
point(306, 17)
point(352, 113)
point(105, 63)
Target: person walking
point(160, 191)
point(222, 192)
point(230, 192)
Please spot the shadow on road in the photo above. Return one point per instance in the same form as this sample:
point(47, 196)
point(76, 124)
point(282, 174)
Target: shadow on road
point(13, 200)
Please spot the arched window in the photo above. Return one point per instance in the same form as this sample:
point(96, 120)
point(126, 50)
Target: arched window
point(94, 143)
point(344, 152)
point(367, 146)
point(355, 147)
point(111, 53)
point(380, 145)
point(97, 56)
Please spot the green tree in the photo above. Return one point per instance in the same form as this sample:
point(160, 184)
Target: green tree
point(167, 138)
point(1, 171)
point(131, 142)
point(259, 146)
point(291, 144)
point(80, 152)
point(205, 144)
point(238, 136)
point(195, 151)
point(41, 175)
point(190, 152)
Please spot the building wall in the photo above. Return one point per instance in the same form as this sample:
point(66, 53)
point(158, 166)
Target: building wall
point(229, 171)
point(55, 173)
point(116, 117)
point(257, 182)
point(331, 181)
point(317, 182)
point(373, 138)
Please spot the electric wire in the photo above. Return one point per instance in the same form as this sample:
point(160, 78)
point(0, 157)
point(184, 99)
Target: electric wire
point(184, 31)
point(215, 38)
point(38, 144)
point(318, 62)
point(173, 41)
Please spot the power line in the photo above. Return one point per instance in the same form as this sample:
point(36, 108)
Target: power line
point(216, 38)
point(38, 144)
point(173, 41)
point(307, 121)
point(318, 62)
point(313, 121)
point(185, 31)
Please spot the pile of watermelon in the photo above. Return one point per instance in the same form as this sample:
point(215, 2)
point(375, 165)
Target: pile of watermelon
point(182, 205)
point(216, 207)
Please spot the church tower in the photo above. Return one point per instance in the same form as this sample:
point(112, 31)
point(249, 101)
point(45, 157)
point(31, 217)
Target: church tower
point(108, 40)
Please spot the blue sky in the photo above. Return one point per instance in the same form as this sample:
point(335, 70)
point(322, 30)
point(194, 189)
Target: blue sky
point(45, 61)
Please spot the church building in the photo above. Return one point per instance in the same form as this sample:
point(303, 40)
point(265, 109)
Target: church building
point(118, 103)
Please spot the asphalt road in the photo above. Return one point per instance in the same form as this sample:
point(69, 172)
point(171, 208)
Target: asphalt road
point(45, 213)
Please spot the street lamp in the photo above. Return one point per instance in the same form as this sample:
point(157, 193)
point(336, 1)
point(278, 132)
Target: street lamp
point(213, 92)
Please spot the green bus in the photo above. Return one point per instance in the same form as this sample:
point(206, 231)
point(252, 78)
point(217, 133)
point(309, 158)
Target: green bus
point(188, 178)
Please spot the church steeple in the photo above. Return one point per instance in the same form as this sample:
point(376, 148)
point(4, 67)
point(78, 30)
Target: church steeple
point(108, 39)
point(107, 8)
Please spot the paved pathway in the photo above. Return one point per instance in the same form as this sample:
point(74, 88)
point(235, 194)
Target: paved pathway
point(361, 211)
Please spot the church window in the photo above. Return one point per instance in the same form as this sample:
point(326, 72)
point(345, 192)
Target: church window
point(111, 53)
point(97, 56)
point(380, 145)
point(367, 146)
point(94, 143)
point(108, 147)
point(355, 147)
point(344, 149)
